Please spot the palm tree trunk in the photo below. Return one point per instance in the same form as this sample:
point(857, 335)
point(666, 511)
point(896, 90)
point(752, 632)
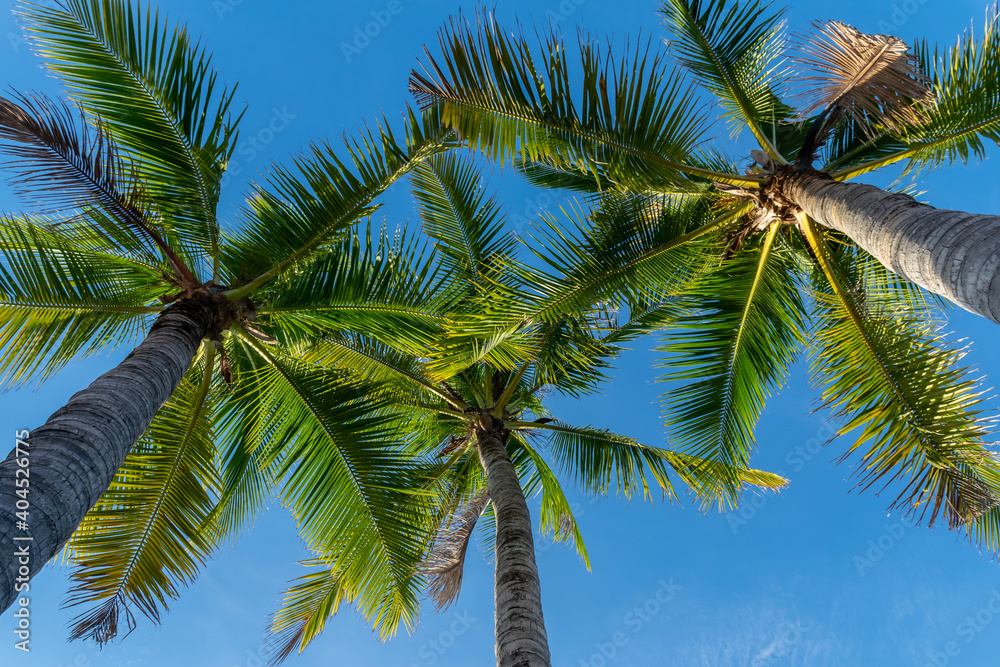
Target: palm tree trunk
point(520, 630)
point(951, 253)
point(74, 456)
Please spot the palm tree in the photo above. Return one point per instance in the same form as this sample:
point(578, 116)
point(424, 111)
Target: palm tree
point(129, 177)
point(483, 416)
point(737, 254)
point(870, 101)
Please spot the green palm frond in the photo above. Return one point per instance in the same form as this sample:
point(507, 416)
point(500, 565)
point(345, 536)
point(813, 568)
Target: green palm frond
point(891, 375)
point(732, 350)
point(735, 51)
point(307, 605)
point(629, 246)
point(633, 120)
point(59, 302)
point(556, 513)
point(467, 228)
point(66, 167)
point(301, 210)
point(346, 477)
point(601, 461)
point(383, 287)
point(143, 541)
point(157, 95)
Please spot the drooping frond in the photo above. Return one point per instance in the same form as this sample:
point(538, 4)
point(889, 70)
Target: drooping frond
point(556, 513)
point(301, 210)
point(892, 375)
point(65, 167)
point(59, 302)
point(712, 482)
point(143, 541)
point(873, 78)
point(735, 51)
point(346, 477)
point(446, 563)
point(157, 96)
point(634, 120)
point(307, 605)
point(732, 350)
point(602, 462)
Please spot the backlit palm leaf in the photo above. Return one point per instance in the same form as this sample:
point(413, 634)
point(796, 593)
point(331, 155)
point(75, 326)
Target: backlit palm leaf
point(143, 541)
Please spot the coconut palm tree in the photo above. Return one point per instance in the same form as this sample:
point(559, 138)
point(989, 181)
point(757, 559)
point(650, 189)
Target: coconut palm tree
point(127, 245)
point(486, 420)
point(757, 244)
point(866, 98)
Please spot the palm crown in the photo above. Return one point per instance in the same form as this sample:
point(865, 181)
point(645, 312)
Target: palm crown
point(129, 177)
point(444, 407)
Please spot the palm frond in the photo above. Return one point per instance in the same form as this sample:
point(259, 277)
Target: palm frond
point(446, 563)
point(143, 541)
point(373, 284)
point(632, 121)
point(347, 478)
point(556, 513)
point(873, 78)
point(156, 93)
point(64, 167)
point(59, 302)
point(732, 350)
point(892, 376)
point(966, 116)
point(467, 229)
point(601, 461)
point(734, 49)
point(301, 210)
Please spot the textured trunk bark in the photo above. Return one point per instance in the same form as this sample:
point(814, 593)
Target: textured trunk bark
point(73, 457)
point(520, 630)
point(954, 254)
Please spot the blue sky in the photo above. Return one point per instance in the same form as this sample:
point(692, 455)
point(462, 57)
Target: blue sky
point(819, 575)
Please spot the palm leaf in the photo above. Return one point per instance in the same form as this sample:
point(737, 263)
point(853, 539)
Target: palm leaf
point(143, 539)
point(734, 49)
point(632, 121)
point(345, 477)
point(731, 351)
point(157, 94)
point(299, 211)
point(59, 302)
point(891, 375)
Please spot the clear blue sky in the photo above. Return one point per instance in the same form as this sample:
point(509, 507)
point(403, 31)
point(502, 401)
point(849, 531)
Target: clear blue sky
point(816, 576)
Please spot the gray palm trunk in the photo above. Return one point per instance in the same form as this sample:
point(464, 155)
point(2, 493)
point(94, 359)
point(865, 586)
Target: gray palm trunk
point(950, 253)
point(72, 458)
point(520, 629)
